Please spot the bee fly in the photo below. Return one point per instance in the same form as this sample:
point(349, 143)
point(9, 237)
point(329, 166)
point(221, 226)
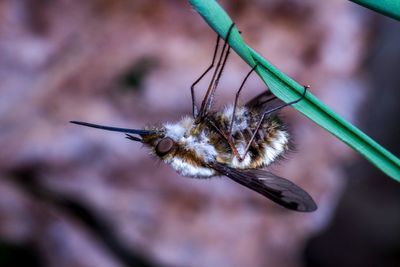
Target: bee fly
point(236, 142)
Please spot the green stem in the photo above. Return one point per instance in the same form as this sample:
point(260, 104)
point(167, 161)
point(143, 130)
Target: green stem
point(390, 8)
point(288, 90)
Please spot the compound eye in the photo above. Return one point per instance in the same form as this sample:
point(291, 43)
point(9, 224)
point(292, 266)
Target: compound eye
point(164, 146)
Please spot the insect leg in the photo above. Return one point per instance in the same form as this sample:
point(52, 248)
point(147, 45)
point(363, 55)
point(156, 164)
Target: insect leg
point(269, 112)
point(211, 98)
point(230, 141)
point(236, 101)
point(207, 101)
point(290, 103)
point(194, 107)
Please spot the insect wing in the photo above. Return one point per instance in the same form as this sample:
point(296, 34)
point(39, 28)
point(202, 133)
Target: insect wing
point(278, 189)
point(263, 102)
point(260, 99)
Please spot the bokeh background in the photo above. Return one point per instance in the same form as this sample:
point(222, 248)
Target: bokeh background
point(73, 196)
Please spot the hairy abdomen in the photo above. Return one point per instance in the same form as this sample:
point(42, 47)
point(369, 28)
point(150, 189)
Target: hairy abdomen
point(269, 143)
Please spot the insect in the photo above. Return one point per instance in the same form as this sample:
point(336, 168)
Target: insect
point(236, 142)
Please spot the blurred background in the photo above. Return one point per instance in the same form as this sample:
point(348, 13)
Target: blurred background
point(73, 196)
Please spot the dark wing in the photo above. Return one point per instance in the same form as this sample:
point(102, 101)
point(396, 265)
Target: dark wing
point(278, 189)
point(263, 102)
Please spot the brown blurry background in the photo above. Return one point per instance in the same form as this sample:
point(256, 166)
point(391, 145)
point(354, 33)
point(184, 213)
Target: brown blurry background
point(73, 196)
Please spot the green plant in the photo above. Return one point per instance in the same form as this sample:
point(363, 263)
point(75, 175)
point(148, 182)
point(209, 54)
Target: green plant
point(288, 90)
point(389, 8)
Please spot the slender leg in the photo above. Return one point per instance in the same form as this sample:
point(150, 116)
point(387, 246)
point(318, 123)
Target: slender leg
point(236, 100)
point(194, 107)
point(215, 85)
point(203, 110)
point(207, 101)
point(223, 135)
point(288, 104)
point(267, 113)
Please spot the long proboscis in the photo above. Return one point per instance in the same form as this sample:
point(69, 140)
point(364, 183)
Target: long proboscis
point(115, 129)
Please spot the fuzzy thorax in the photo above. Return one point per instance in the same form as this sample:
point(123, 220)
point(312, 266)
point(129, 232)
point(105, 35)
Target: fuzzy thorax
point(194, 150)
